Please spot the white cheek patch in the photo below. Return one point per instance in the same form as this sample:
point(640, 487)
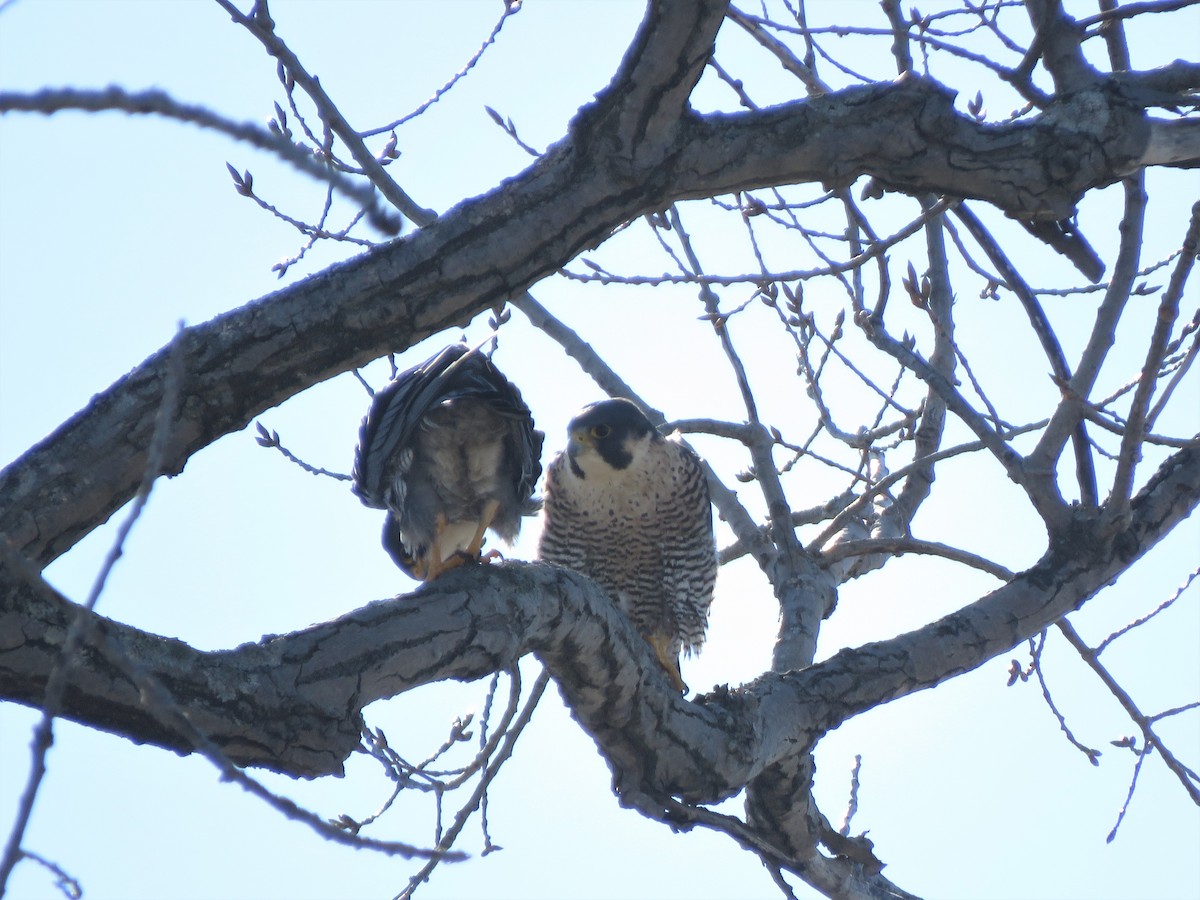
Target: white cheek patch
point(595, 470)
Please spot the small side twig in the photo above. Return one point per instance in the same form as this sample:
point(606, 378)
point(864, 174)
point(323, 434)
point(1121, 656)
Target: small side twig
point(158, 103)
point(511, 7)
point(1122, 696)
point(81, 626)
point(1150, 615)
point(1036, 646)
point(1137, 770)
point(69, 886)
point(852, 806)
point(270, 439)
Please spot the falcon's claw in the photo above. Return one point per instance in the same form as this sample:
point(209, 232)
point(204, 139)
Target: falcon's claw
point(485, 520)
point(434, 564)
point(669, 662)
point(458, 558)
point(463, 557)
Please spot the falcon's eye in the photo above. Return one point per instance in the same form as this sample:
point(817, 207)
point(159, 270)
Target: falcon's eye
point(600, 432)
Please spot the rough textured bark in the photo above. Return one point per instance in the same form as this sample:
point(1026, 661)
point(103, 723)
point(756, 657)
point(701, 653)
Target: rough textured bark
point(632, 151)
point(292, 703)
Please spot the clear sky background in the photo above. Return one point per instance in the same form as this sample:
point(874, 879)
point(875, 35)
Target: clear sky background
point(112, 229)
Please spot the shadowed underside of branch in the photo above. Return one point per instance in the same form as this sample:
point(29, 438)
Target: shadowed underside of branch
point(292, 703)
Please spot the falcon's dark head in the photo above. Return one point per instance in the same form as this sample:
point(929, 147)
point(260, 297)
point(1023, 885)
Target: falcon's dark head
point(607, 436)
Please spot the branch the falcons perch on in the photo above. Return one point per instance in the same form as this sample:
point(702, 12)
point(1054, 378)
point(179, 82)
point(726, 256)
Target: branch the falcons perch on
point(816, 203)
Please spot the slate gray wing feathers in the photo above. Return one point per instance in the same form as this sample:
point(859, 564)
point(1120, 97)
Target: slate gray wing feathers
point(449, 449)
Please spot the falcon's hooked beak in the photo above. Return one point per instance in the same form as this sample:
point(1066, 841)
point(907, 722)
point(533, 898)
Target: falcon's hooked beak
point(580, 439)
point(583, 454)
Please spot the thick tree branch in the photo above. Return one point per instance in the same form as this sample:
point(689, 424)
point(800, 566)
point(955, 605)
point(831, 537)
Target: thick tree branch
point(624, 156)
point(1172, 144)
point(292, 703)
point(1036, 169)
point(1057, 44)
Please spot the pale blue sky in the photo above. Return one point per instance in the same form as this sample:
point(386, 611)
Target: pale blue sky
point(112, 229)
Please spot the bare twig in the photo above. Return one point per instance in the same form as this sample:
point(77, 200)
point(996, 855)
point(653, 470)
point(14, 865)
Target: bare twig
point(1045, 500)
point(81, 626)
point(1113, 12)
point(1036, 646)
point(873, 251)
point(69, 886)
point(1166, 604)
point(802, 70)
point(1186, 363)
point(898, 546)
point(886, 483)
point(262, 28)
point(1168, 312)
point(712, 307)
point(425, 779)
point(1085, 468)
point(510, 128)
point(270, 439)
point(1091, 657)
point(1137, 770)
point(52, 100)
point(511, 7)
point(460, 820)
point(1064, 421)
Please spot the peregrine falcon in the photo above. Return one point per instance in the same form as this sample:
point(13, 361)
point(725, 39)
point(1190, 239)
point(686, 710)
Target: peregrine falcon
point(448, 448)
point(630, 509)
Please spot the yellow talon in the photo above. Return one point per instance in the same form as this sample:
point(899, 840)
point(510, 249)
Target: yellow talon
point(670, 663)
point(489, 513)
point(436, 563)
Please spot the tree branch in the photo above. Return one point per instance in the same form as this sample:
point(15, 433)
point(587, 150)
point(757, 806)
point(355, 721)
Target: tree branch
point(263, 29)
point(292, 703)
point(624, 156)
point(158, 103)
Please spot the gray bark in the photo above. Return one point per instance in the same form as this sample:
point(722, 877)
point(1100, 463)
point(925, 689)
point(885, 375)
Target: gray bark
point(292, 702)
point(634, 150)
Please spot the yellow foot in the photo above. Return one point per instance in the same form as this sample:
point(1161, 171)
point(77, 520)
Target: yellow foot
point(456, 559)
point(489, 513)
point(437, 563)
point(434, 564)
point(669, 662)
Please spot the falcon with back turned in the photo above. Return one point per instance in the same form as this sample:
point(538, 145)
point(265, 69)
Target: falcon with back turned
point(448, 448)
point(630, 509)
